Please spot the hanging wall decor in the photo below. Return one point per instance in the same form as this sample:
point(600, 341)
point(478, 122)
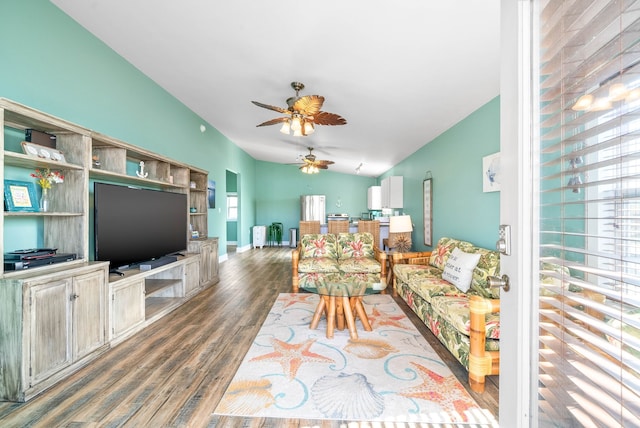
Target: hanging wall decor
point(427, 204)
point(491, 173)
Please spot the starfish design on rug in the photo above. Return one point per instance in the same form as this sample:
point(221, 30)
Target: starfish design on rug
point(294, 298)
point(445, 390)
point(378, 319)
point(291, 356)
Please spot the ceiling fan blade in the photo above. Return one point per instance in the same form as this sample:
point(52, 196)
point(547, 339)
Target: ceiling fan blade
point(324, 118)
point(274, 108)
point(273, 121)
point(308, 105)
point(324, 162)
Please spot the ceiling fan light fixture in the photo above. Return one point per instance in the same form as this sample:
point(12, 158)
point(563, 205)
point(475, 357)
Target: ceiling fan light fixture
point(296, 123)
point(302, 113)
point(308, 128)
point(286, 128)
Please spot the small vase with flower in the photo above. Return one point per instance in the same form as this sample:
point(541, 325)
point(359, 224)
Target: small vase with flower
point(46, 178)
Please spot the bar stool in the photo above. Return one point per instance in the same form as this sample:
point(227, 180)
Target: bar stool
point(275, 234)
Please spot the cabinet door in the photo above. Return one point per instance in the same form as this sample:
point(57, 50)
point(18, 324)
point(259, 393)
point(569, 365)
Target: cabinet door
point(127, 306)
point(214, 260)
point(374, 198)
point(205, 263)
point(49, 329)
point(89, 312)
point(384, 192)
point(192, 276)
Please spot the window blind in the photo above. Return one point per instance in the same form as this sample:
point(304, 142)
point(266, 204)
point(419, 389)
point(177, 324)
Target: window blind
point(589, 213)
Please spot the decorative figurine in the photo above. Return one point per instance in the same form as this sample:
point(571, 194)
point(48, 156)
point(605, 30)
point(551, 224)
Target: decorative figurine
point(141, 173)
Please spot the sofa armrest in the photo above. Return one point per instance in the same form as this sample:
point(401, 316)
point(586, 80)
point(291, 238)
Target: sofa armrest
point(295, 258)
point(481, 361)
point(381, 257)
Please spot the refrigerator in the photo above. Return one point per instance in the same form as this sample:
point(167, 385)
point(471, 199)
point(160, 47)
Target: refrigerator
point(312, 207)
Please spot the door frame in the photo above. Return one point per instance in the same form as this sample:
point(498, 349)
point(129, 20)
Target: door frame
point(516, 209)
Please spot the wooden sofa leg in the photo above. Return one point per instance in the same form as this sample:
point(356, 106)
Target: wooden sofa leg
point(480, 361)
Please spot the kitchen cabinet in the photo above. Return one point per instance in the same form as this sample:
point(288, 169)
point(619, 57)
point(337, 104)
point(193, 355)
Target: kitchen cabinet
point(392, 192)
point(374, 198)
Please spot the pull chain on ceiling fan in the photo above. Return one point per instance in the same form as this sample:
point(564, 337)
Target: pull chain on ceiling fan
point(302, 113)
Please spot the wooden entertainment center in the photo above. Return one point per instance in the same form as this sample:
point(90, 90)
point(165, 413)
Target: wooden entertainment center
point(56, 318)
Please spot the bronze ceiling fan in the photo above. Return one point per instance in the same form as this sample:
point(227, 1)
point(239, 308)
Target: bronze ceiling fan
point(311, 165)
point(302, 113)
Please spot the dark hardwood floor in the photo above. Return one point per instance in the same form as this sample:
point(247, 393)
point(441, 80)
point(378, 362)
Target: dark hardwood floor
point(173, 373)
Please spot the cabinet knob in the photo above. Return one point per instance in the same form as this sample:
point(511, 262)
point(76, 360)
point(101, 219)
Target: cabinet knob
point(74, 296)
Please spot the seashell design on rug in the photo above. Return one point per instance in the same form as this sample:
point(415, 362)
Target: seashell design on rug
point(346, 396)
point(369, 349)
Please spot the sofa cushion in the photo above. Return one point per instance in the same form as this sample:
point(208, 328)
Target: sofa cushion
point(360, 264)
point(455, 310)
point(355, 245)
point(318, 245)
point(441, 253)
point(488, 265)
point(321, 280)
point(459, 268)
point(406, 272)
point(425, 281)
point(318, 265)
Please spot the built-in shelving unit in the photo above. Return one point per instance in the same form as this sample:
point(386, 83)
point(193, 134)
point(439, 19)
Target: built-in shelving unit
point(118, 306)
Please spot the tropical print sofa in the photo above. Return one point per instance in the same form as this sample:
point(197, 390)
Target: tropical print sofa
point(329, 258)
point(466, 322)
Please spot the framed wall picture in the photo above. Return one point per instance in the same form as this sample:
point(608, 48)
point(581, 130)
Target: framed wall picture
point(20, 196)
point(427, 205)
point(491, 173)
point(211, 193)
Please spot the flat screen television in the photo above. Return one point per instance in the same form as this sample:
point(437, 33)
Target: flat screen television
point(134, 225)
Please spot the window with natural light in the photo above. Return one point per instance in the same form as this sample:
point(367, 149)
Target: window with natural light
point(589, 214)
point(232, 207)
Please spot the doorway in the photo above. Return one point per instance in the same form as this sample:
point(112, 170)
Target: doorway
point(233, 212)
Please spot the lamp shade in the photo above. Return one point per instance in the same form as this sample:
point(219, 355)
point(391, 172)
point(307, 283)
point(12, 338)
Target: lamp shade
point(400, 224)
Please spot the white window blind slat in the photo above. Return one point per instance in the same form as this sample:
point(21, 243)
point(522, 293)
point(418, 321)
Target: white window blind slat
point(589, 202)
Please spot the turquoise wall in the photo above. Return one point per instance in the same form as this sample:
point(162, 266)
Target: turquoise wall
point(280, 187)
point(51, 63)
point(454, 159)
point(56, 66)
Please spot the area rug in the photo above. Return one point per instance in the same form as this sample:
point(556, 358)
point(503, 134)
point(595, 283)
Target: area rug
point(390, 374)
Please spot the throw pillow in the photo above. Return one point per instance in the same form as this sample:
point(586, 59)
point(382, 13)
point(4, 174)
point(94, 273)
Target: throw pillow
point(459, 269)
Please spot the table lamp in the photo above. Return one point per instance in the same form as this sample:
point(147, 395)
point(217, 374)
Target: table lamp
point(400, 229)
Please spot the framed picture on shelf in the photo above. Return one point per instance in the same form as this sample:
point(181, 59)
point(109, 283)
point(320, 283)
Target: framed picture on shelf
point(20, 196)
point(427, 201)
point(42, 152)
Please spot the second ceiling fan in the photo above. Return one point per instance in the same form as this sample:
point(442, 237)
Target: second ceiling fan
point(311, 165)
point(302, 113)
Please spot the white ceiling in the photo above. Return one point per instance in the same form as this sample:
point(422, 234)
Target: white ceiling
point(400, 72)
